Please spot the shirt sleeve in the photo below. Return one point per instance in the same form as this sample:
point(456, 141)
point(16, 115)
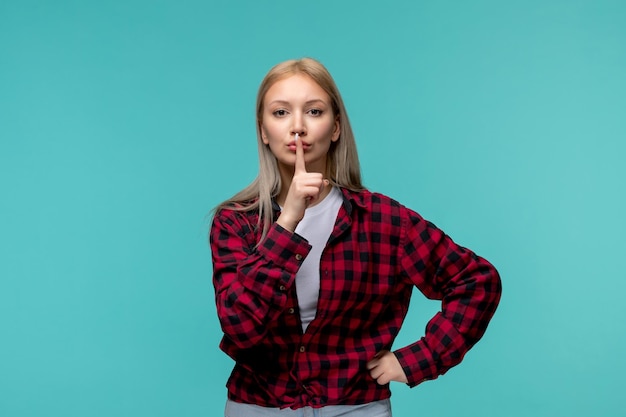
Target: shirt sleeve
point(251, 282)
point(468, 286)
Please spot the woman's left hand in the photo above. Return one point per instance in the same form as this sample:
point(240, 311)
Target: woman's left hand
point(385, 368)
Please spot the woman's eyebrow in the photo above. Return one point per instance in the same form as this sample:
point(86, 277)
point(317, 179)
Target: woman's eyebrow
point(288, 103)
point(316, 100)
point(282, 102)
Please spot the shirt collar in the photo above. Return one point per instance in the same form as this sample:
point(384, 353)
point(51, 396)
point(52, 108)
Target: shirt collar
point(350, 199)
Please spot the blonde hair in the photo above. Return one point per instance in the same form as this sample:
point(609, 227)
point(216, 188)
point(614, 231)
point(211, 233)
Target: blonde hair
point(342, 158)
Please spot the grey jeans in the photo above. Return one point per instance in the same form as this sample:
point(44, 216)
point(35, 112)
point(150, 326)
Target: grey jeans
point(374, 409)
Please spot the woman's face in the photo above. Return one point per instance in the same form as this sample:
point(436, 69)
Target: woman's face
point(297, 104)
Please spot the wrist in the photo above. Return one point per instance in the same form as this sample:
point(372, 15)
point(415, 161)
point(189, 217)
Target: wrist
point(287, 223)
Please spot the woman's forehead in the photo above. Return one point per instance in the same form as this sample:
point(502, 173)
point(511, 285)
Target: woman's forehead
point(295, 87)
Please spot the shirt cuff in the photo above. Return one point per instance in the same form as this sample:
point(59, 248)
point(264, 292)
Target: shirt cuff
point(417, 363)
point(284, 248)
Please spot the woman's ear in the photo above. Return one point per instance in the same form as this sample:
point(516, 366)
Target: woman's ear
point(337, 130)
point(263, 134)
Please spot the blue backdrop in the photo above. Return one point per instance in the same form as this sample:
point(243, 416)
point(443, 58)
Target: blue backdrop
point(122, 123)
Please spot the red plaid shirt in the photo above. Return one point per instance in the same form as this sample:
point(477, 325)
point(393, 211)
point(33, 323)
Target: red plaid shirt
point(378, 251)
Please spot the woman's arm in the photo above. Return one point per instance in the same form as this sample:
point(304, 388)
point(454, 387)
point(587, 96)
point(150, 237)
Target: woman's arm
point(251, 283)
point(468, 286)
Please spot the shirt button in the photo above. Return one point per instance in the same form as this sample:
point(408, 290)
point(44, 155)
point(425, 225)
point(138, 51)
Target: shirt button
point(302, 349)
point(291, 311)
point(282, 288)
point(298, 257)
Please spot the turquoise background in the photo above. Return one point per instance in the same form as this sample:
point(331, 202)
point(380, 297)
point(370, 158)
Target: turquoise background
point(122, 123)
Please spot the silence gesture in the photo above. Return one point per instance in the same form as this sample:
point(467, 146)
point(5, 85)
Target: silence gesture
point(306, 188)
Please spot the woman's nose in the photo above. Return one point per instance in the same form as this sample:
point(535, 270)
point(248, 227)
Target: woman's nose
point(298, 125)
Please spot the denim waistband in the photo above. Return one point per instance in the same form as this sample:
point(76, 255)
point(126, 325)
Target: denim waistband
point(374, 409)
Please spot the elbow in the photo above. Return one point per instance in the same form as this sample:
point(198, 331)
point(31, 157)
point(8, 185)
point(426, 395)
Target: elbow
point(494, 287)
point(239, 327)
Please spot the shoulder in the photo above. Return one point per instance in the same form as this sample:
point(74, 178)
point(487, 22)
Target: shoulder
point(236, 217)
point(374, 202)
point(382, 208)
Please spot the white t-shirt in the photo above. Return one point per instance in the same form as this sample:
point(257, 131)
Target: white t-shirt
point(315, 227)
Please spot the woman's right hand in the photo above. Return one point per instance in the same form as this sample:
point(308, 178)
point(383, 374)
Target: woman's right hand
point(305, 189)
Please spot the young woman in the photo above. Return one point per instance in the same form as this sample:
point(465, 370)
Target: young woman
point(313, 273)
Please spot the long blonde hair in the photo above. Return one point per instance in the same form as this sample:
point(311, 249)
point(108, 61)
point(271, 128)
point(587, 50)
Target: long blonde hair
point(342, 158)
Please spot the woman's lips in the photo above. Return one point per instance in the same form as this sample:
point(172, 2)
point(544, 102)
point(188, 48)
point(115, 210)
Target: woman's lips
point(292, 146)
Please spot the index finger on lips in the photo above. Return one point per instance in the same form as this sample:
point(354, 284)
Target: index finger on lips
point(300, 165)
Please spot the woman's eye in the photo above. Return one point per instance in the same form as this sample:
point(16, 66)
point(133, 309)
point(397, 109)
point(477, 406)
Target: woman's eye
point(279, 113)
point(315, 112)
